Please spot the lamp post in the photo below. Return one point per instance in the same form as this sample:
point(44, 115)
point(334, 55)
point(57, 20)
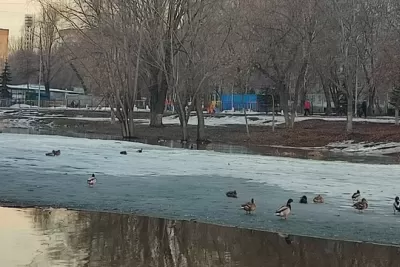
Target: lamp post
point(356, 95)
point(40, 62)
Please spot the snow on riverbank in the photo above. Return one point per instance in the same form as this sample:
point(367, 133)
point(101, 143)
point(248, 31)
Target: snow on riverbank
point(379, 148)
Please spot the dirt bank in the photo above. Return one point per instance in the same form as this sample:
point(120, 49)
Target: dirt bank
point(310, 133)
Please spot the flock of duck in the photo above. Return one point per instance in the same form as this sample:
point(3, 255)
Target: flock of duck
point(91, 181)
point(285, 210)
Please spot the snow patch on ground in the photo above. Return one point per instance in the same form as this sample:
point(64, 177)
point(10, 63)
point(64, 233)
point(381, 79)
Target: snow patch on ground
point(367, 148)
point(25, 106)
point(81, 118)
point(240, 112)
point(264, 120)
point(17, 123)
point(227, 120)
point(16, 106)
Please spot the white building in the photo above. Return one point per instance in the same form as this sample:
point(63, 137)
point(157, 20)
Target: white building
point(24, 92)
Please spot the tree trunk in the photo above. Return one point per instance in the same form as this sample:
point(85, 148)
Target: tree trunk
point(293, 110)
point(183, 117)
point(335, 98)
point(396, 115)
point(124, 128)
point(349, 126)
point(47, 88)
point(183, 121)
point(284, 98)
point(245, 116)
point(127, 127)
point(131, 124)
point(371, 101)
point(300, 80)
point(156, 119)
point(112, 116)
point(79, 76)
point(158, 94)
point(185, 134)
point(327, 97)
point(201, 135)
point(247, 124)
point(328, 102)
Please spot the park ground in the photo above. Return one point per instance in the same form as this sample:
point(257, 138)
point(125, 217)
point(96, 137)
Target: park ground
point(307, 133)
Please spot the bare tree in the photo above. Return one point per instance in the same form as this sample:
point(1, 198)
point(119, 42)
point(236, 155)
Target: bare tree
point(373, 20)
point(195, 62)
point(280, 38)
point(48, 41)
point(346, 14)
point(25, 64)
point(109, 38)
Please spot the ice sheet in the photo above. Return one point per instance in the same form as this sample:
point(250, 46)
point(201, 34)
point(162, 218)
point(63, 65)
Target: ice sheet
point(336, 180)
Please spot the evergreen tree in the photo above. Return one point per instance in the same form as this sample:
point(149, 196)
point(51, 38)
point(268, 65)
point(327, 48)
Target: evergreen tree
point(5, 76)
point(5, 79)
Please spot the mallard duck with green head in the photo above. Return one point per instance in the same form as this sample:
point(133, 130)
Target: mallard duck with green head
point(285, 210)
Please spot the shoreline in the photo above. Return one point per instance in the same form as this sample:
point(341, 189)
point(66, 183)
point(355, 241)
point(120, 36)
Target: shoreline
point(312, 138)
point(312, 153)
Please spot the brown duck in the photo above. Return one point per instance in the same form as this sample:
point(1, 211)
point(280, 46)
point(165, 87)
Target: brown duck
point(249, 206)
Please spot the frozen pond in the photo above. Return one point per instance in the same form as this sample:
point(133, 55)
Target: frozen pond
point(188, 184)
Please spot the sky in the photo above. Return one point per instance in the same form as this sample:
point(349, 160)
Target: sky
point(12, 14)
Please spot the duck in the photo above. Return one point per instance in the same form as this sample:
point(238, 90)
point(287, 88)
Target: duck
point(123, 153)
point(91, 180)
point(361, 205)
point(140, 150)
point(396, 205)
point(53, 153)
point(356, 196)
point(232, 194)
point(303, 200)
point(318, 199)
point(285, 210)
point(249, 206)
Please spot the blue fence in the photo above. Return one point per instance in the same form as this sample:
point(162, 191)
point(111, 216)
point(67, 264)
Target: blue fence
point(240, 102)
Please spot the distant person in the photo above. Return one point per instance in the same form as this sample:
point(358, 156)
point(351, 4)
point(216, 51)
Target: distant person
point(364, 108)
point(307, 107)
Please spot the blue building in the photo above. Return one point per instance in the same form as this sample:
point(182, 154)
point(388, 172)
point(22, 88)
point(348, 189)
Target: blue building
point(239, 101)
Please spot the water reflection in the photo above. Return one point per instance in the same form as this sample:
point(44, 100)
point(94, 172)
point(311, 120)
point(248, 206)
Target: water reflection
point(71, 238)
